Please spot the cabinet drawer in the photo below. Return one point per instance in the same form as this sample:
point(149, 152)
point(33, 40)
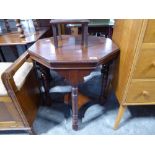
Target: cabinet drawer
point(141, 91)
point(145, 67)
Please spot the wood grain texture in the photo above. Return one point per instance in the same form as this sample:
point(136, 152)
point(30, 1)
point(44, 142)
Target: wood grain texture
point(72, 52)
point(125, 35)
point(29, 98)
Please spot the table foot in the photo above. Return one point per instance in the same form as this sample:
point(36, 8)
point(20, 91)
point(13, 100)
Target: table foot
point(75, 108)
point(75, 127)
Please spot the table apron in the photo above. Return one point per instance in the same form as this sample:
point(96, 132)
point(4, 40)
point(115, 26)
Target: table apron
point(75, 76)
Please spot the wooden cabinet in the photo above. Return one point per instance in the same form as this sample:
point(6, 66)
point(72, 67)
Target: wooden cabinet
point(134, 79)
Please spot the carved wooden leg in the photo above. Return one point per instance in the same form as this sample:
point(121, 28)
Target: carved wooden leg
point(104, 72)
point(75, 108)
point(55, 35)
point(119, 116)
point(2, 55)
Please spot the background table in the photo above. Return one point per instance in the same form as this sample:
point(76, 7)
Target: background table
point(12, 39)
point(73, 61)
point(96, 27)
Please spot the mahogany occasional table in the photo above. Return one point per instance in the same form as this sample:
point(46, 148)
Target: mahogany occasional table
point(73, 61)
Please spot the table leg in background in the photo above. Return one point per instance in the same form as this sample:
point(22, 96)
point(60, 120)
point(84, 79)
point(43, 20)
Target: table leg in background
point(75, 107)
point(85, 35)
point(55, 35)
point(15, 51)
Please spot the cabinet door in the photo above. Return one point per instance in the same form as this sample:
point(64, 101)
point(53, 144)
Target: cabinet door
point(9, 117)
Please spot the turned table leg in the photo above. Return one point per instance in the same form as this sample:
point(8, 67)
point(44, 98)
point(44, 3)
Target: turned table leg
point(75, 107)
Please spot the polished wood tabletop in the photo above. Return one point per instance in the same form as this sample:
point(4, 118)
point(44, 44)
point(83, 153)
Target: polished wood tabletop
point(71, 51)
point(12, 38)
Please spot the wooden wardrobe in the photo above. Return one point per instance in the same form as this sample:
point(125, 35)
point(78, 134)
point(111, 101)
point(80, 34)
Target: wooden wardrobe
point(134, 78)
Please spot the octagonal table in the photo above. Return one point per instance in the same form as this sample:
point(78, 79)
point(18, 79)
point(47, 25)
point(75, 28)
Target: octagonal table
point(73, 61)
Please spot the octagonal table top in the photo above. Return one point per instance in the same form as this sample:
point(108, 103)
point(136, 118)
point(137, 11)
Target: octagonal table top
point(71, 53)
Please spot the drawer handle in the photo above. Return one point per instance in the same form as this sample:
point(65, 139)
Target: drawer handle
point(153, 63)
point(145, 93)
